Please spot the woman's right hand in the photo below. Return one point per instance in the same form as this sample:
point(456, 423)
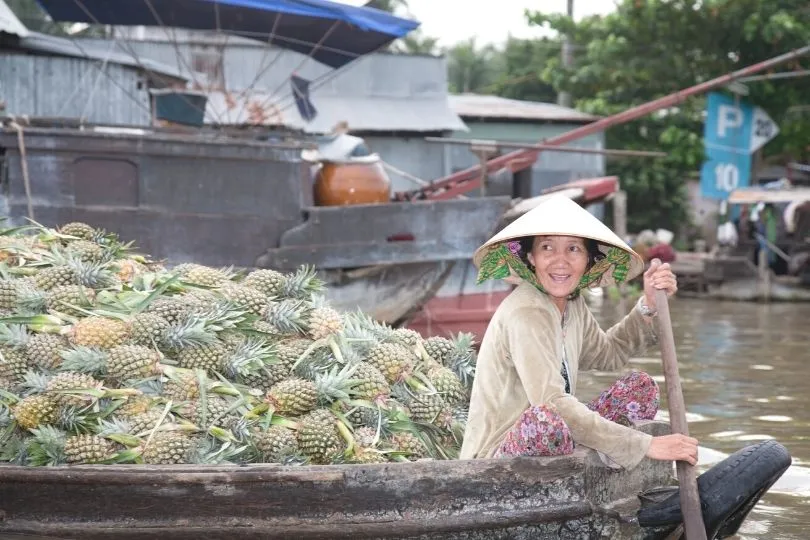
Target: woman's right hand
point(675, 447)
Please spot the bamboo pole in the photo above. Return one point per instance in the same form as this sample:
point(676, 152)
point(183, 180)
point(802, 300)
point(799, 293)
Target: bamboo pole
point(690, 498)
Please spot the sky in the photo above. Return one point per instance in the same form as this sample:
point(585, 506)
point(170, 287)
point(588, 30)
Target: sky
point(492, 21)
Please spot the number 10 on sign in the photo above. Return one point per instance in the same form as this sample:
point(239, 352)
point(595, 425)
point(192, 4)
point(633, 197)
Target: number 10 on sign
point(726, 177)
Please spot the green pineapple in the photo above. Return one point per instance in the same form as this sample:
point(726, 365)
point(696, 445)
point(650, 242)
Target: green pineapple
point(70, 299)
point(407, 337)
point(215, 410)
point(45, 350)
point(71, 380)
point(86, 449)
point(319, 438)
point(8, 294)
point(365, 436)
point(171, 308)
point(55, 276)
point(243, 296)
point(208, 357)
point(127, 362)
point(408, 443)
point(205, 276)
point(367, 456)
point(86, 250)
point(14, 364)
point(324, 321)
point(79, 230)
point(99, 332)
point(269, 282)
point(148, 329)
point(293, 396)
point(439, 348)
point(169, 448)
point(372, 384)
point(430, 409)
point(446, 383)
point(275, 444)
point(34, 411)
point(393, 361)
point(143, 423)
point(182, 386)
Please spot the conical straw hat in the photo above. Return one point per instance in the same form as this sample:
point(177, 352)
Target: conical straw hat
point(561, 216)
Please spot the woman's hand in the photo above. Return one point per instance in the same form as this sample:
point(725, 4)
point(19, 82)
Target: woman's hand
point(658, 276)
point(675, 447)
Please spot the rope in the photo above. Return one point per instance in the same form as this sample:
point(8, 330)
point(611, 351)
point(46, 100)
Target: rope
point(24, 166)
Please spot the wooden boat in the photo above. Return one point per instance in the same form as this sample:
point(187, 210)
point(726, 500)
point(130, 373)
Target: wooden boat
point(511, 498)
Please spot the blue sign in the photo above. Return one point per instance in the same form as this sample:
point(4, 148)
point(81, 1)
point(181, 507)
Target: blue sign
point(733, 131)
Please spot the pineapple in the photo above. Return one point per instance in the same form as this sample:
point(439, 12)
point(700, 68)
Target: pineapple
point(208, 357)
point(393, 361)
point(44, 350)
point(143, 423)
point(253, 300)
point(275, 444)
point(372, 384)
point(408, 443)
point(169, 448)
point(182, 387)
point(268, 282)
point(127, 362)
point(128, 269)
point(439, 348)
point(85, 250)
point(79, 230)
point(366, 456)
point(69, 380)
point(301, 284)
point(34, 411)
point(290, 351)
point(319, 438)
point(205, 276)
point(14, 364)
point(8, 294)
point(324, 321)
point(134, 405)
point(171, 308)
point(215, 411)
point(55, 276)
point(293, 396)
point(99, 332)
point(85, 449)
point(430, 409)
point(148, 329)
point(70, 299)
point(407, 337)
point(448, 385)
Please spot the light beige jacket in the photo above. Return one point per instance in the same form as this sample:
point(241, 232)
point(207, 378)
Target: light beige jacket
point(519, 366)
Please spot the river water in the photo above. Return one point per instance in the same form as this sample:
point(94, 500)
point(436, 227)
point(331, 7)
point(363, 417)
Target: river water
point(745, 371)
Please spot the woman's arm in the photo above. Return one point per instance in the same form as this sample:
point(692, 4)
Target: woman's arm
point(532, 343)
point(610, 350)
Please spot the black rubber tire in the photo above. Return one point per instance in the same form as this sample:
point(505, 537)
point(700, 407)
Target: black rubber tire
point(728, 491)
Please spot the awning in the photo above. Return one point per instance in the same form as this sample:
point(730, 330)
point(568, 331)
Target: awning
point(773, 196)
point(331, 33)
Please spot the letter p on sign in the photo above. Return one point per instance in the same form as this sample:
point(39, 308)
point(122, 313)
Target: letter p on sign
point(728, 117)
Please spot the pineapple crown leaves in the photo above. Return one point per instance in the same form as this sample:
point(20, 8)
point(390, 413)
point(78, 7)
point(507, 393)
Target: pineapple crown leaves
point(336, 385)
point(46, 447)
point(13, 335)
point(192, 331)
point(34, 382)
point(288, 316)
point(250, 357)
point(84, 360)
point(221, 315)
point(301, 284)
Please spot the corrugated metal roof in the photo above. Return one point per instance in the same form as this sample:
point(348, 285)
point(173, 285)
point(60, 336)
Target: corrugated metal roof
point(362, 113)
point(73, 48)
point(480, 106)
point(9, 23)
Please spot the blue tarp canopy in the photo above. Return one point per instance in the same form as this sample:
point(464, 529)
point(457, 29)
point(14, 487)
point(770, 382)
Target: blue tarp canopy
point(331, 33)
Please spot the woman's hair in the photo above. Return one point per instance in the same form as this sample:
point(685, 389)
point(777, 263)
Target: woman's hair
point(591, 246)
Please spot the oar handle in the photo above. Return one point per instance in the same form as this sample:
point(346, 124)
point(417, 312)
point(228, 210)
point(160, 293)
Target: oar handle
point(690, 498)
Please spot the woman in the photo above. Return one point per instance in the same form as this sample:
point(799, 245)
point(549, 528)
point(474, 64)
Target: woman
point(523, 398)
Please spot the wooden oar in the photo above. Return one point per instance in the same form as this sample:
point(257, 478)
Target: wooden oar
point(690, 498)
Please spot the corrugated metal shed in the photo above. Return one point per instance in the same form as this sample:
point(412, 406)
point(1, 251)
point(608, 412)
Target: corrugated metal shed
point(380, 92)
point(38, 85)
point(494, 107)
point(9, 23)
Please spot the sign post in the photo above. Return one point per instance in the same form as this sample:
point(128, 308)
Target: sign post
point(733, 131)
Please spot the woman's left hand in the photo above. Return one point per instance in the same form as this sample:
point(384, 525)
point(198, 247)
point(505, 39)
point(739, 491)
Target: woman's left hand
point(658, 276)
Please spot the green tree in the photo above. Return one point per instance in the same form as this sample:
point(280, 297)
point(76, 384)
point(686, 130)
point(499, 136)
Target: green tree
point(521, 67)
point(649, 48)
point(416, 43)
point(34, 18)
point(471, 68)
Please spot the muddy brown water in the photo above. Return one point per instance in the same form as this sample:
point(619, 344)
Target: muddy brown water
point(745, 371)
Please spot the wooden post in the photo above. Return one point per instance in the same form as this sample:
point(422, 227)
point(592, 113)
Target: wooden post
point(690, 498)
point(764, 275)
point(484, 150)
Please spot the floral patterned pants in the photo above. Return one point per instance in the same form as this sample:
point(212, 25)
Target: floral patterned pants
point(541, 431)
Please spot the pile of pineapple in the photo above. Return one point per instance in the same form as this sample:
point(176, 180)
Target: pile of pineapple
point(107, 356)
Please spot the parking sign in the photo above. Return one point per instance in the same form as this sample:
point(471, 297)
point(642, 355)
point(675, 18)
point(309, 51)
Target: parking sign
point(733, 131)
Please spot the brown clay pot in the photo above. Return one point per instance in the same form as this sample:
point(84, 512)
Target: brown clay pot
point(338, 184)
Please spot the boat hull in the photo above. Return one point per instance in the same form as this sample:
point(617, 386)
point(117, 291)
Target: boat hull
point(498, 498)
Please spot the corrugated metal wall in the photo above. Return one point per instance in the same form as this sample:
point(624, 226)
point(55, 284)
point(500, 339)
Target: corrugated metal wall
point(72, 87)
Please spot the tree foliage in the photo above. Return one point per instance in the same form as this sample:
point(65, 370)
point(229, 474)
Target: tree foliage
point(651, 48)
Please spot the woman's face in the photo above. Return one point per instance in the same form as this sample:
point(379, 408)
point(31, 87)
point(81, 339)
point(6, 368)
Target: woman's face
point(559, 263)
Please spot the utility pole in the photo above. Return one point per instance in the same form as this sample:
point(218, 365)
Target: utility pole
point(564, 98)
